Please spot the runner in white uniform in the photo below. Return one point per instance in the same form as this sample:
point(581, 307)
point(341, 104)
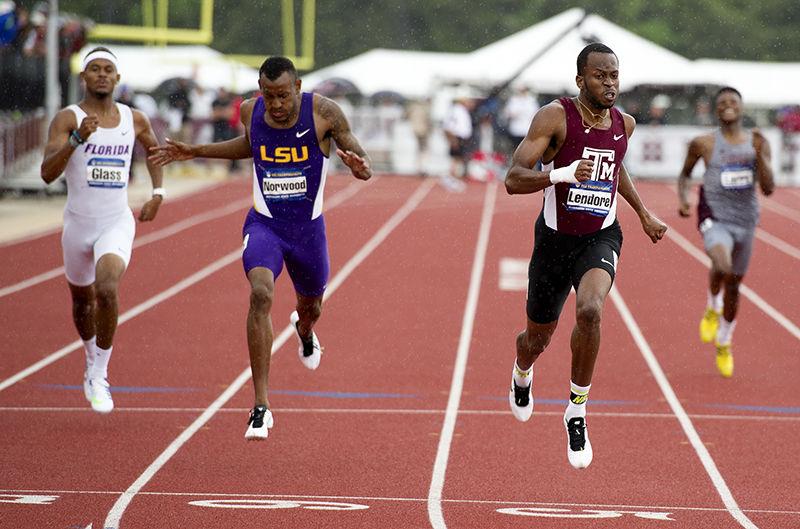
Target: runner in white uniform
point(91, 143)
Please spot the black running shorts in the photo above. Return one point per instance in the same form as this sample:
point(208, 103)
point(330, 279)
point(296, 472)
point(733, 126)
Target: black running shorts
point(559, 262)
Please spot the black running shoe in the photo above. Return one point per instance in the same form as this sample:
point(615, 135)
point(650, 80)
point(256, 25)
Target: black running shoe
point(258, 424)
point(521, 400)
point(579, 449)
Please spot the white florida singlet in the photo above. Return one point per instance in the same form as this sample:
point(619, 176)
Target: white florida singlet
point(98, 170)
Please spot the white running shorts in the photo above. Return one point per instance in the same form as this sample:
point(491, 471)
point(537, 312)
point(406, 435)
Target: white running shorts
point(85, 240)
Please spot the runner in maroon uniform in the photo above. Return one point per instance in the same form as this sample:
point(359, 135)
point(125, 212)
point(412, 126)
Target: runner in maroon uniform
point(581, 143)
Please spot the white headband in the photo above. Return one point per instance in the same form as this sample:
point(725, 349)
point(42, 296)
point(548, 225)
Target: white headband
point(99, 54)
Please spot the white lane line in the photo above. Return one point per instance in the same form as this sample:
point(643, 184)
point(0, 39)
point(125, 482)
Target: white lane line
point(684, 420)
point(407, 411)
point(157, 235)
point(132, 313)
point(768, 309)
point(780, 209)
point(778, 243)
point(116, 512)
point(336, 200)
point(435, 514)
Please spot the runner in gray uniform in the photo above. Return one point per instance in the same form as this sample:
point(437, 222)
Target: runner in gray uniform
point(727, 213)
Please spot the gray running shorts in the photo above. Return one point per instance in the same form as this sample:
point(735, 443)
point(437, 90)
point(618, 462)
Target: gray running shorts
point(737, 239)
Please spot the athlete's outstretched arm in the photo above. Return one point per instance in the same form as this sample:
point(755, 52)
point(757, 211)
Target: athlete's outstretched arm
point(177, 151)
point(347, 146)
point(653, 227)
point(547, 124)
point(146, 136)
point(694, 154)
point(234, 149)
point(766, 180)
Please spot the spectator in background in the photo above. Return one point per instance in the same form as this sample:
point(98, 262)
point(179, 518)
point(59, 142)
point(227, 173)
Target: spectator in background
point(457, 127)
point(418, 112)
point(702, 113)
point(657, 115)
point(180, 106)
point(221, 114)
point(518, 114)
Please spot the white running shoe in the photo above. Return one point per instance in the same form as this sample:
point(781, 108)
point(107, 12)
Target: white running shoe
point(310, 352)
point(258, 424)
point(100, 393)
point(87, 387)
point(521, 400)
point(579, 449)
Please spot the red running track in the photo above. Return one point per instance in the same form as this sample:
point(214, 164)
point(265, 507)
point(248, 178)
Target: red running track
point(405, 424)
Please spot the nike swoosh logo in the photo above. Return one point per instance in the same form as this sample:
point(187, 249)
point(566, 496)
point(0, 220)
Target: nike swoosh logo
point(603, 259)
point(301, 134)
point(617, 137)
point(124, 133)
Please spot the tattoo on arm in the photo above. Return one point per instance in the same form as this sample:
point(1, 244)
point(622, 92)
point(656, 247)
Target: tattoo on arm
point(339, 127)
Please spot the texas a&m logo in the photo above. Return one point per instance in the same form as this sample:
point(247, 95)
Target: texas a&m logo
point(604, 166)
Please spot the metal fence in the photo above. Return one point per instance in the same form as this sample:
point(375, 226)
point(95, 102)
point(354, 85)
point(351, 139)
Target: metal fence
point(21, 140)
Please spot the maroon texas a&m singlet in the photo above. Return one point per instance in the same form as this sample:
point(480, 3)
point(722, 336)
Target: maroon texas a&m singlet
point(579, 209)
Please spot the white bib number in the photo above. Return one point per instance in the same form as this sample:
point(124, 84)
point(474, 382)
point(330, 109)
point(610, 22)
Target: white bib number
point(284, 185)
point(106, 172)
point(590, 197)
point(736, 177)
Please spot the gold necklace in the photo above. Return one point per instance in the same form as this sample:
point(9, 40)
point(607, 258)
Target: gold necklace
point(599, 118)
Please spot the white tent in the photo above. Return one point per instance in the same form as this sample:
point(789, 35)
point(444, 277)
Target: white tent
point(411, 73)
point(558, 40)
point(762, 84)
point(145, 67)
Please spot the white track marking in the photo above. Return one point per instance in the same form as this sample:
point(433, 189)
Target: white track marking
point(778, 243)
point(157, 235)
point(435, 514)
point(684, 420)
point(781, 210)
point(336, 200)
point(455, 501)
point(132, 313)
point(116, 512)
point(768, 309)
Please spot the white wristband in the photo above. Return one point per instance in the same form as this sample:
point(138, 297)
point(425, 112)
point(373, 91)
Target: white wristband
point(565, 174)
point(159, 191)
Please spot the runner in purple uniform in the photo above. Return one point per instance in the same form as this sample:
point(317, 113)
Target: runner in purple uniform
point(581, 143)
point(288, 134)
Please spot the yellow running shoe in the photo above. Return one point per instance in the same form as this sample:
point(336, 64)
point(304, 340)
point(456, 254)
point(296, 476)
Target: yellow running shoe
point(709, 325)
point(725, 360)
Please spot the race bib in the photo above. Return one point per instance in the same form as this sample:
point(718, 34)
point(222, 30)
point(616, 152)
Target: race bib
point(591, 197)
point(287, 184)
point(106, 172)
point(736, 177)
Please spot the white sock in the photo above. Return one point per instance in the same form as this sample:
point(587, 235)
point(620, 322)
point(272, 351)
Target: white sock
point(715, 301)
point(88, 348)
point(100, 366)
point(578, 395)
point(725, 331)
point(523, 378)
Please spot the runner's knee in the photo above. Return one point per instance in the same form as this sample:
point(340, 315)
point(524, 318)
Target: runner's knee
point(106, 292)
point(589, 313)
point(261, 296)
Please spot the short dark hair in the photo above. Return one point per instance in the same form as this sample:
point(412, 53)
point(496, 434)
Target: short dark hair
point(725, 89)
point(583, 56)
point(274, 67)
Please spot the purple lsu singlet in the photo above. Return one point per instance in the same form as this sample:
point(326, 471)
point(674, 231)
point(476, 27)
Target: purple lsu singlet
point(289, 167)
point(579, 209)
point(286, 225)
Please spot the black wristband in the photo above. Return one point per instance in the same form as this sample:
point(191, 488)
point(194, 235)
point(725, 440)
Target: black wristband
point(78, 139)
